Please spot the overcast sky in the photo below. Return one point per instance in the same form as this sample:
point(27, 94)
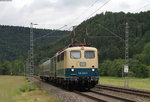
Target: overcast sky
point(53, 14)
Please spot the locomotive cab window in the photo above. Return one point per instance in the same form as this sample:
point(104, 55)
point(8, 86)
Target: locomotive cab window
point(62, 57)
point(75, 54)
point(89, 54)
point(58, 58)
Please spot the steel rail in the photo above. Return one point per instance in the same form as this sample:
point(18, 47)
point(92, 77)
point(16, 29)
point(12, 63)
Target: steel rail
point(143, 93)
point(113, 96)
point(90, 96)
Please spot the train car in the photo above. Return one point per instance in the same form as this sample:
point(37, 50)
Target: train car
point(74, 67)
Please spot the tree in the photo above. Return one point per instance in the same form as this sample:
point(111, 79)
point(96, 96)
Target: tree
point(5, 68)
point(112, 68)
point(146, 52)
point(104, 67)
point(138, 69)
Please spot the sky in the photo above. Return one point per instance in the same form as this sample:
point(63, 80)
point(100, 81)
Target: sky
point(54, 14)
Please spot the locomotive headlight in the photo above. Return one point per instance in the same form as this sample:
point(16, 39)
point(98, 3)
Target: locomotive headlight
point(93, 69)
point(72, 70)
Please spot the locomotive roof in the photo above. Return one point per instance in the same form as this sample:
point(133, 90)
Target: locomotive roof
point(79, 48)
point(76, 48)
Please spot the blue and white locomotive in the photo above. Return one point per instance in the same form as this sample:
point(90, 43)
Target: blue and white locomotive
point(73, 67)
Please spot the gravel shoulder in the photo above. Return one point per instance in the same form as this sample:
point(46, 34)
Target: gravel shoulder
point(58, 93)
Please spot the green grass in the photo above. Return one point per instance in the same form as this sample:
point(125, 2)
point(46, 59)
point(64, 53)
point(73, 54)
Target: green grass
point(8, 87)
point(18, 89)
point(140, 83)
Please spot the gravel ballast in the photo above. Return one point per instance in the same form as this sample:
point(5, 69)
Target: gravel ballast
point(58, 93)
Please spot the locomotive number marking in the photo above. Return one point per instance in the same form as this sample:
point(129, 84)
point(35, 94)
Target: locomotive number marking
point(82, 72)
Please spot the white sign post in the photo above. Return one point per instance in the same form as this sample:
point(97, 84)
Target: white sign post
point(126, 68)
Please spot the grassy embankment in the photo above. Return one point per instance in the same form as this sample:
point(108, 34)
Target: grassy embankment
point(140, 83)
point(18, 89)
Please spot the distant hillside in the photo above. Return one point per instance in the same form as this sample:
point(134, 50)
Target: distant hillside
point(109, 47)
point(14, 40)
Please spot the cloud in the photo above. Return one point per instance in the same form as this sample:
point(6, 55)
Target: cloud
point(74, 3)
point(124, 5)
point(56, 13)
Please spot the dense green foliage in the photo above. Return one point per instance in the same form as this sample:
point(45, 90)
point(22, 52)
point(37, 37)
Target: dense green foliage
point(139, 65)
point(110, 47)
point(14, 41)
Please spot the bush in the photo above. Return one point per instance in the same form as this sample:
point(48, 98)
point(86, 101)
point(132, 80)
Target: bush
point(104, 68)
point(115, 68)
point(111, 68)
point(27, 87)
point(148, 67)
point(140, 70)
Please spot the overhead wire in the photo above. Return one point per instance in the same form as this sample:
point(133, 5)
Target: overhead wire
point(88, 17)
point(84, 12)
point(117, 34)
point(74, 19)
point(99, 8)
point(70, 22)
point(54, 31)
point(142, 7)
point(112, 32)
point(77, 17)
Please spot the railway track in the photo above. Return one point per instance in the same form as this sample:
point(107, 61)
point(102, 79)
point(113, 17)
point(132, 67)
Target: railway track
point(98, 95)
point(103, 97)
point(137, 92)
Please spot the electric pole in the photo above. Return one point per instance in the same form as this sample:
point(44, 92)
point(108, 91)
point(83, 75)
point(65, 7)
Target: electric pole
point(126, 66)
point(86, 37)
point(74, 35)
point(31, 51)
point(31, 65)
point(28, 64)
point(126, 41)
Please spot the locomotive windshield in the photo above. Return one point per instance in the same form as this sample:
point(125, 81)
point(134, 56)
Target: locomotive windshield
point(89, 54)
point(75, 54)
